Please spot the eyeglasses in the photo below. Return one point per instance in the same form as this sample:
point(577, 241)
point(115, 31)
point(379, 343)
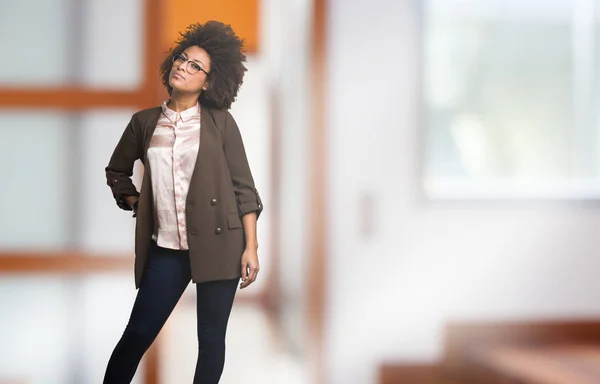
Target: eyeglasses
point(190, 67)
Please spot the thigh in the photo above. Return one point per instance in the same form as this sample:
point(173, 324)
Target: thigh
point(214, 302)
point(166, 276)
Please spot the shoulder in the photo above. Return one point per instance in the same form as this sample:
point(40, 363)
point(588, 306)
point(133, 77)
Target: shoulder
point(146, 114)
point(141, 120)
point(218, 114)
point(220, 117)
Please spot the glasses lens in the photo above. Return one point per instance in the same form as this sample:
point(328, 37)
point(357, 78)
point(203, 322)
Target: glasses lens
point(178, 58)
point(193, 68)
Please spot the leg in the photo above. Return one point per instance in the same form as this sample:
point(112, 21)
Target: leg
point(214, 302)
point(166, 276)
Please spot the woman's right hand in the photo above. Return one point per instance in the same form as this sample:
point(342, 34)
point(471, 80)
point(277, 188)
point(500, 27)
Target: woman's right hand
point(131, 200)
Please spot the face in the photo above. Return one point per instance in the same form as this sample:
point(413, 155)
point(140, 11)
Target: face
point(189, 72)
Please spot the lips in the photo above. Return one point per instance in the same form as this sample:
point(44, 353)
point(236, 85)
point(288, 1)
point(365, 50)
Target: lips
point(177, 76)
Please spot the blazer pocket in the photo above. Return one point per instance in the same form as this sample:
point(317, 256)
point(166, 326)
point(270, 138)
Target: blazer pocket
point(234, 221)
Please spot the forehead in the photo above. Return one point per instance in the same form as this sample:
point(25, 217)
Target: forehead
point(196, 53)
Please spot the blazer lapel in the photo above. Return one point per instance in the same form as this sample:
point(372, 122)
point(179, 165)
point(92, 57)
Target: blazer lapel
point(208, 140)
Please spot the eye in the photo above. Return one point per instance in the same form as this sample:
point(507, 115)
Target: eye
point(196, 67)
point(178, 58)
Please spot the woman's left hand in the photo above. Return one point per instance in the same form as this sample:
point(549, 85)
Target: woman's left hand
point(249, 267)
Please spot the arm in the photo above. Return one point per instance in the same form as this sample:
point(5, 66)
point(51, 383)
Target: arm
point(249, 203)
point(120, 169)
point(241, 177)
point(249, 223)
point(250, 265)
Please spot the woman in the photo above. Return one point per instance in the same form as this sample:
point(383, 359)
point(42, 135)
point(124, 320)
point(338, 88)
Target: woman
point(197, 209)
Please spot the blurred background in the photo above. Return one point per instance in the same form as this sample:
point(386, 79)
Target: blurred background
point(430, 173)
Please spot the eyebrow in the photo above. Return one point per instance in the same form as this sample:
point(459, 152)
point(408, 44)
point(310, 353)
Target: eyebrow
point(194, 60)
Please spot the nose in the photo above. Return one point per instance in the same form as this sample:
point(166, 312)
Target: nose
point(180, 68)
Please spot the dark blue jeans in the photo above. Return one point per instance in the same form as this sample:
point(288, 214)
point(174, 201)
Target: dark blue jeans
point(166, 277)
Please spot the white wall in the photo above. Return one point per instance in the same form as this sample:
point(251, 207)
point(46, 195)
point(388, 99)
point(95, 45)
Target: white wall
point(287, 30)
point(390, 293)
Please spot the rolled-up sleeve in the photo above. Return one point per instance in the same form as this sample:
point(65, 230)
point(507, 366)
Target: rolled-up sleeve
point(246, 193)
point(120, 167)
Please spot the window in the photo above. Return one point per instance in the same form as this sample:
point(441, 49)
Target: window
point(510, 98)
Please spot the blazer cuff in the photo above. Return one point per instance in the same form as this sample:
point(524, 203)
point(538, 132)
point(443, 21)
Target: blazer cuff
point(253, 205)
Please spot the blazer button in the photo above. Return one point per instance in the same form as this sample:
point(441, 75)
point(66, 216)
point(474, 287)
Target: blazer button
point(213, 202)
point(218, 230)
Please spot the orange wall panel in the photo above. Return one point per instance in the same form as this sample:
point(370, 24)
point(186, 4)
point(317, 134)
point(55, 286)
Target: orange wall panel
point(243, 15)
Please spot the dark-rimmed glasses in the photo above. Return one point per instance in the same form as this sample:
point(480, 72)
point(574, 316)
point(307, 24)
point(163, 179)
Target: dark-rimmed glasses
point(191, 67)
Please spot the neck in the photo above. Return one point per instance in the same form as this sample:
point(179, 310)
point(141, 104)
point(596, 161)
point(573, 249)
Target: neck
point(179, 102)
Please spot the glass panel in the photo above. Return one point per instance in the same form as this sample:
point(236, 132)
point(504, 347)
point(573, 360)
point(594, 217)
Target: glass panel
point(113, 46)
point(36, 182)
point(104, 227)
point(499, 98)
point(35, 330)
point(62, 330)
point(35, 43)
point(66, 41)
point(596, 81)
point(103, 305)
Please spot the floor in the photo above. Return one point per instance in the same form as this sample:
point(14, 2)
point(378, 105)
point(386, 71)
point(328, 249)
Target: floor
point(254, 353)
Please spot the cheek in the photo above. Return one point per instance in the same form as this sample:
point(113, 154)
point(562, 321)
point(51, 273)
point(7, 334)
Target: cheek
point(196, 83)
point(170, 78)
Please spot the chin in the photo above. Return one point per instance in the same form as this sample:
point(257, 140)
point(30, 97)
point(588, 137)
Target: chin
point(175, 86)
